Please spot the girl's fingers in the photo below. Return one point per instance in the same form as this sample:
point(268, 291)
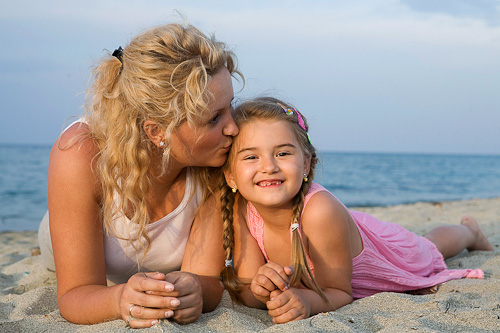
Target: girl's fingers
point(259, 290)
point(276, 276)
point(290, 315)
point(278, 305)
point(289, 270)
point(264, 282)
point(287, 307)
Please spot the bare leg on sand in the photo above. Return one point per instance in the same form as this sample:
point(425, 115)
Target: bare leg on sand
point(450, 240)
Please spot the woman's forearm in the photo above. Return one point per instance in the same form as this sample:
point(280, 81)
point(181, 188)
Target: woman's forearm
point(212, 290)
point(91, 304)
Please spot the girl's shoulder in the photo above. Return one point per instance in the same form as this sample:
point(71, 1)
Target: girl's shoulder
point(322, 210)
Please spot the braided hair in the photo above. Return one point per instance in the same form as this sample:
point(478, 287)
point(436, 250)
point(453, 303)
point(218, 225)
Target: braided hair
point(270, 108)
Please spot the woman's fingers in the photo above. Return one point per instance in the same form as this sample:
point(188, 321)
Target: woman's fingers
point(189, 293)
point(141, 304)
point(189, 310)
point(151, 281)
point(152, 296)
point(140, 323)
point(138, 311)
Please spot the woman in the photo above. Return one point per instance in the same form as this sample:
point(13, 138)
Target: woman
point(126, 181)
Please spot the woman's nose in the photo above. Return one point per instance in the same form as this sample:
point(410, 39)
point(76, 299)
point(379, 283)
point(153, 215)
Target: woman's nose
point(230, 129)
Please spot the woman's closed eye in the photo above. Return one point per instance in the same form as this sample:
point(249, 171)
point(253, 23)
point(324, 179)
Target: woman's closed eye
point(215, 119)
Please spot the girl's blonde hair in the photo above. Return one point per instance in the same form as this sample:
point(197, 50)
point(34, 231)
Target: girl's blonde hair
point(162, 76)
point(271, 108)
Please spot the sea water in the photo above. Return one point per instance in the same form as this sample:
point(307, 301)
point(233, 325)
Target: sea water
point(357, 179)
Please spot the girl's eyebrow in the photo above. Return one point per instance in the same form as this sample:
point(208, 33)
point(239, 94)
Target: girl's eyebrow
point(246, 149)
point(291, 145)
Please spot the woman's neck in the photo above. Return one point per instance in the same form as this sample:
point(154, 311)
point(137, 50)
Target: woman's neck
point(166, 189)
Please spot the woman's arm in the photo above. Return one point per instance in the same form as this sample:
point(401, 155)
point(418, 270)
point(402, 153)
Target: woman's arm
point(204, 255)
point(331, 237)
point(77, 240)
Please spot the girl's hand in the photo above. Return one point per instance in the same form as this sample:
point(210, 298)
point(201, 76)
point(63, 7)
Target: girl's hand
point(141, 304)
point(269, 277)
point(288, 305)
point(189, 296)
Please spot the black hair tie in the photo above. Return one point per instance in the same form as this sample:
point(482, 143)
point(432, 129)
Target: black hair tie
point(118, 53)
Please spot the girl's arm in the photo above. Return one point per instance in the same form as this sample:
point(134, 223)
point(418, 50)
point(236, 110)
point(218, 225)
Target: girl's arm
point(77, 239)
point(250, 265)
point(331, 238)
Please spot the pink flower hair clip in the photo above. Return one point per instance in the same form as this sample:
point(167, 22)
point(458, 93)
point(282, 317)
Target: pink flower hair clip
point(289, 112)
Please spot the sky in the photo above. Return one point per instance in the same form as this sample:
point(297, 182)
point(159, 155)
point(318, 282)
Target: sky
point(411, 76)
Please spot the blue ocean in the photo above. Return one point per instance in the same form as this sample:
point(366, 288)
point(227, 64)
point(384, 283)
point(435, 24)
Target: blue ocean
point(357, 179)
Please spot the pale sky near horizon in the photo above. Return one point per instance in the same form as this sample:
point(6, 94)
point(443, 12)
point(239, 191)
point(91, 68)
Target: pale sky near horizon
point(417, 76)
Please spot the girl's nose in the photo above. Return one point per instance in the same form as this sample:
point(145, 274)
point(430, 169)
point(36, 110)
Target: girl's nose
point(269, 165)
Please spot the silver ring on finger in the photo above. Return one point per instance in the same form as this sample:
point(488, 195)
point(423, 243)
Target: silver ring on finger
point(130, 312)
point(128, 320)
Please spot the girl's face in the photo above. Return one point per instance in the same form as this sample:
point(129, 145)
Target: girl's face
point(208, 143)
point(267, 165)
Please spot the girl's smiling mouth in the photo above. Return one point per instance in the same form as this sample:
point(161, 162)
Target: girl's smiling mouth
point(266, 183)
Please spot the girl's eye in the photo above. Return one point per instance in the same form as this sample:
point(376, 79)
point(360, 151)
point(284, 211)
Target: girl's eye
point(283, 153)
point(251, 157)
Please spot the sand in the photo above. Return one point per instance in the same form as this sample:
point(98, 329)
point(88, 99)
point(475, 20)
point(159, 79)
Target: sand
point(28, 291)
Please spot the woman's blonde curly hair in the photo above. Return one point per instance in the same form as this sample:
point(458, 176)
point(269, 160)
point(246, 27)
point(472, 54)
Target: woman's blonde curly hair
point(161, 76)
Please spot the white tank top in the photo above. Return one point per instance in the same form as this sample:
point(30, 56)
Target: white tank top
point(168, 240)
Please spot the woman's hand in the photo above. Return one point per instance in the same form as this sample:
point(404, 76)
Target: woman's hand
point(288, 305)
point(146, 298)
point(189, 296)
point(271, 276)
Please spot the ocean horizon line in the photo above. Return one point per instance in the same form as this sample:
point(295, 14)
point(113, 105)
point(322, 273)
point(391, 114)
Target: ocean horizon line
point(321, 151)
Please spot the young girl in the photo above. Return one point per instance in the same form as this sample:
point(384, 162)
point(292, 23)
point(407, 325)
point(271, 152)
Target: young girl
point(337, 255)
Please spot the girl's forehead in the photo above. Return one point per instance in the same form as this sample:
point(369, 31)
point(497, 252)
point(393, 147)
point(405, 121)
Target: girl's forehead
point(259, 124)
point(264, 131)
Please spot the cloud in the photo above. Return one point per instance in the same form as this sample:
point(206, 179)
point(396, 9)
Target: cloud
point(391, 62)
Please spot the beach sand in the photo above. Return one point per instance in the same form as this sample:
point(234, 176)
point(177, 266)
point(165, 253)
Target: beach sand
point(28, 292)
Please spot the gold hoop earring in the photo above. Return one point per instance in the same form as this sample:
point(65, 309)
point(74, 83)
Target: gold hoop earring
point(306, 179)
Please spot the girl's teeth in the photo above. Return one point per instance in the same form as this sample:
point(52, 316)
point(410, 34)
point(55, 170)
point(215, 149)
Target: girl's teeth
point(270, 183)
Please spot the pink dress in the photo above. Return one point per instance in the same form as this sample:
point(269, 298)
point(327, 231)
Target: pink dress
point(393, 258)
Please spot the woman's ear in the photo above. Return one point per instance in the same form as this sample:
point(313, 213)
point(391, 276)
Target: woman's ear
point(154, 133)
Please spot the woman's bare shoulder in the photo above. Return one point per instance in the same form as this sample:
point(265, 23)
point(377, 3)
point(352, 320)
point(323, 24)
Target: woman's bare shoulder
point(76, 140)
point(72, 158)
